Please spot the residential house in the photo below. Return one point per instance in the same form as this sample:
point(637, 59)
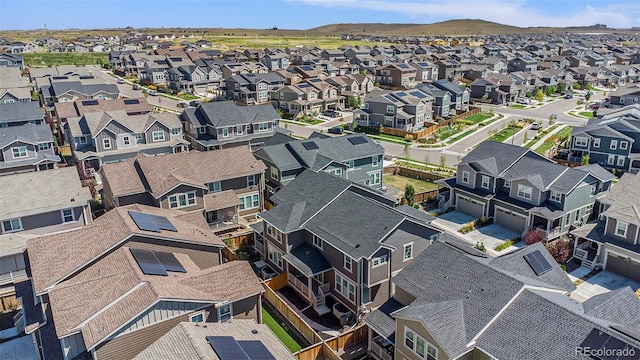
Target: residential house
point(219, 124)
point(449, 69)
point(354, 157)
point(28, 205)
point(407, 110)
point(470, 302)
point(522, 190)
point(27, 148)
point(624, 95)
point(398, 76)
point(612, 141)
point(155, 71)
point(425, 71)
point(275, 62)
point(498, 88)
point(522, 63)
point(252, 89)
point(102, 137)
point(313, 95)
point(459, 95)
point(11, 60)
point(314, 234)
point(255, 341)
point(146, 271)
point(20, 113)
point(13, 87)
point(441, 105)
point(221, 185)
point(66, 91)
point(333, 55)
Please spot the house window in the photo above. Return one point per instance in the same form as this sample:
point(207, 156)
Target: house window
point(202, 130)
point(621, 228)
point(350, 165)
point(275, 174)
point(182, 200)
point(239, 130)
point(581, 141)
point(224, 313)
point(409, 339)
point(225, 133)
point(251, 201)
point(555, 196)
point(214, 186)
point(366, 295)
point(275, 256)
point(611, 159)
point(614, 144)
point(507, 184)
point(82, 140)
point(348, 262)
point(596, 142)
point(408, 252)
point(175, 131)
point(106, 143)
point(67, 216)
point(263, 127)
point(11, 225)
point(465, 177)
point(419, 345)
point(251, 181)
point(140, 136)
point(485, 182)
point(390, 109)
point(126, 141)
point(317, 242)
point(379, 261)
point(593, 189)
point(19, 152)
point(197, 318)
point(158, 136)
point(312, 95)
point(374, 179)
point(346, 288)
point(42, 147)
point(621, 160)
point(623, 145)
point(374, 161)
point(524, 192)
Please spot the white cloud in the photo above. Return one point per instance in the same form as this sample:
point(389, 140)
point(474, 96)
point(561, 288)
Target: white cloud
point(521, 13)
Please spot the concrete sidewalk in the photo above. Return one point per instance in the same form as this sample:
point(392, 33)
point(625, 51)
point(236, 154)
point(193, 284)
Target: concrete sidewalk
point(542, 140)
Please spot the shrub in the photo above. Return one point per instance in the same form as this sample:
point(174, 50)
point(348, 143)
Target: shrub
point(533, 236)
point(506, 244)
point(560, 250)
point(480, 246)
point(408, 138)
point(422, 140)
point(467, 228)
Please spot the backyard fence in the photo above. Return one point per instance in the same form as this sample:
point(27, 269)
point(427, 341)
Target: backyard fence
point(412, 173)
point(432, 127)
point(331, 349)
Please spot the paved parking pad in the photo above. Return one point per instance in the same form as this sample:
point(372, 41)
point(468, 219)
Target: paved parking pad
point(601, 283)
point(453, 220)
point(494, 235)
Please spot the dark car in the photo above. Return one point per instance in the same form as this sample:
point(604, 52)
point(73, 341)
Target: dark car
point(183, 104)
point(194, 103)
point(331, 113)
point(335, 130)
point(568, 96)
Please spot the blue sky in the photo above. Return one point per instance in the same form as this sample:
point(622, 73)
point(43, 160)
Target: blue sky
point(305, 14)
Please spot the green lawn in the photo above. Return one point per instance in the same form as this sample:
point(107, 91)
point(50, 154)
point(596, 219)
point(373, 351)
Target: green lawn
point(504, 134)
point(54, 59)
point(476, 118)
point(516, 106)
point(281, 330)
point(542, 149)
point(564, 133)
point(389, 138)
point(447, 132)
point(588, 114)
point(400, 182)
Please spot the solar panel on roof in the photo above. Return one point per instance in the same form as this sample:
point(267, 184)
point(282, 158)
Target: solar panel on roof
point(403, 66)
point(310, 145)
point(150, 222)
point(418, 94)
point(148, 262)
point(163, 223)
point(255, 350)
point(131, 101)
point(599, 340)
point(169, 262)
point(227, 348)
point(390, 98)
point(538, 263)
point(89, 102)
point(358, 140)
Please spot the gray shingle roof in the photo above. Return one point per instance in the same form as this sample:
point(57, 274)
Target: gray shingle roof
point(20, 111)
point(381, 321)
point(32, 134)
point(624, 198)
point(338, 149)
point(227, 113)
point(280, 156)
point(493, 157)
point(308, 259)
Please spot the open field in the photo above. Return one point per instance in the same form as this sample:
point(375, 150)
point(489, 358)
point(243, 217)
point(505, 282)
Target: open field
point(400, 182)
point(54, 59)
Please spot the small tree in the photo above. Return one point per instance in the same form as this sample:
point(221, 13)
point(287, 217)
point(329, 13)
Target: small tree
point(576, 86)
point(560, 250)
point(550, 90)
point(561, 88)
point(409, 194)
point(406, 150)
point(588, 87)
point(534, 235)
point(427, 159)
point(585, 160)
point(587, 96)
point(525, 137)
point(443, 161)
point(539, 95)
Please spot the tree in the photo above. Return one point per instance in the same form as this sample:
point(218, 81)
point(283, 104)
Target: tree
point(576, 86)
point(539, 95)
point(533, 236)
point(587, 96)
point(560, 250)
point(443, 161)
point(585, 160)
point(354, 102)
point(526, 137)
point(561, 88)
point(409, 194)
point(588, 87)
point(550, 90)
point(406, 151)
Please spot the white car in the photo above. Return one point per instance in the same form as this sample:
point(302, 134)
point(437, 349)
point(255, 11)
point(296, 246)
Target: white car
point(535, 126)
point(522, 101)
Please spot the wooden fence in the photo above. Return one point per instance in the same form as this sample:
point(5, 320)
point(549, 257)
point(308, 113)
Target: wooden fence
point(331, 349)
point(412, 173)
point(277, 282)
point(288, 313)
point(426, 132)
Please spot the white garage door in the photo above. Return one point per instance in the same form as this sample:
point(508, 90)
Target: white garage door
point(509, 220)
point(469, 206)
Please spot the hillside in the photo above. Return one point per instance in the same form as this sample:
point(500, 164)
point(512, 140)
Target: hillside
point(449, 27)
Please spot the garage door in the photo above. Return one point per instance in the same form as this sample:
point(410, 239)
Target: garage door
point(510, 221)
point(623, 266)
point(469, 206)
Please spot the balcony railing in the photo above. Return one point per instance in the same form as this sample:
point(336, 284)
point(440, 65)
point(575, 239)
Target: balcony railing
point(11, 276)
point(379, 351)
point(553, 233)
point(298, 284)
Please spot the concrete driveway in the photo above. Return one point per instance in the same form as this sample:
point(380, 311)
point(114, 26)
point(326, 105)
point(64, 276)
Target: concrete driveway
point(601, 283)
point(494, 235)
point(452, 220)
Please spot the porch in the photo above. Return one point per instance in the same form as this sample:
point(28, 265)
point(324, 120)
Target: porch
point(305, 274)
point(587, 252)
point(381, 348)
point(552, 227)
point(576, 155)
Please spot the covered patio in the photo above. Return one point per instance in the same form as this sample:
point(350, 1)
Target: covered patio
point(587, 245)
point(548, 219)
point(306, 269)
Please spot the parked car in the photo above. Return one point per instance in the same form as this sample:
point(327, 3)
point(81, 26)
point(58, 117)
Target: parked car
point(568, 96)
point(153, 93)
point(535, 126)
point(136, 87)
point(335, 130)
point(331, 113)
point(120, 81)
point(194, 103)
point(183, 104)
point(522, 101)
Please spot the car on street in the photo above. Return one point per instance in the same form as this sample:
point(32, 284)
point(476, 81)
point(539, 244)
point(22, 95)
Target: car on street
point(535, 126)
point(120, 81)
point(183, 104)
point(331, 113)
point(335, 130)
point(568, 96)
point(136, 87)
point(153, 93)
point(522, 101)
point(194, 103)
